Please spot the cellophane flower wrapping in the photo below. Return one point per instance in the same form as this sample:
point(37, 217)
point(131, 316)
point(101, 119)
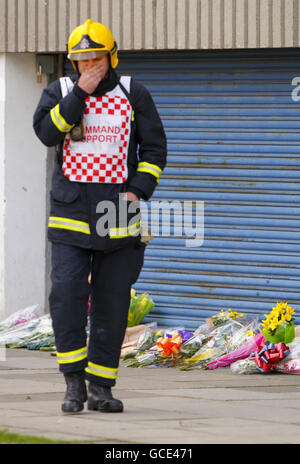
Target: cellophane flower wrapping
point(19, 318)
point(33, 334)
point(146, 354)
point(289, 365)
point(140, 306)
point(242, 352)
point(244, 366)
point(145, 342)
point(209, 342)
point(223, 339)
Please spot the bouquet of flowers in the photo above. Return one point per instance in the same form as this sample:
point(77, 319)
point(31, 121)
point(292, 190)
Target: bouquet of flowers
point(19, 317)
point(158, 348)
point(279, 324)
point(33, 331)
point(146, 342)
point(225, 337)
point(140, 306)
point(225, 316)
point(191, 346)
point(290, 364)
point(273, 354)
point(186, 350)
point(241, 352)
point(244, 366)
point(147, 359)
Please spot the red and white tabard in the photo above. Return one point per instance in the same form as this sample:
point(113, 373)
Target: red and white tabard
point(102, 155)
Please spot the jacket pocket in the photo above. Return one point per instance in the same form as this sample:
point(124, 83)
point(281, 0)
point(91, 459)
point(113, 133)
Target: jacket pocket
point(63, 190)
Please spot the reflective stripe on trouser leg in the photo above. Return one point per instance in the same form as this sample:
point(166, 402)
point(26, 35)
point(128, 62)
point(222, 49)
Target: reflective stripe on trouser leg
point(69, 304)
point(112, 276)
point(71, 356)
point(68, 310)
point(102, 371)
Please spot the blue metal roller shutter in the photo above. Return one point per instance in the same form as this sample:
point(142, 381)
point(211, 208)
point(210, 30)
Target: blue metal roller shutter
point(233, 142)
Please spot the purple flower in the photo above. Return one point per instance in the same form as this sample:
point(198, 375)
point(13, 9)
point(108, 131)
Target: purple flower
point(185, 335)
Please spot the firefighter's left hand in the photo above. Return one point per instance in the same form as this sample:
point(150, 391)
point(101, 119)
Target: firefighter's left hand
point(129, 196)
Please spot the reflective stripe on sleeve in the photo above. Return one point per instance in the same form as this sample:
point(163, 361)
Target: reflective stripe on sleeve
point(150, 169)
point(71, 356)
point(57, 119)
point(69, 224)
point(102, 371)
point(122, 232)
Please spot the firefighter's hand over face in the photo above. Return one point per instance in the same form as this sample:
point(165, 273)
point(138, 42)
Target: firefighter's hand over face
point(90, 78)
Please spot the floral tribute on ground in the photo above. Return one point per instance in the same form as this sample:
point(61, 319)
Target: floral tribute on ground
point(229, 338)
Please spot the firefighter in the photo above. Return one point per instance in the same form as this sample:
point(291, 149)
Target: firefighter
point(111, 151)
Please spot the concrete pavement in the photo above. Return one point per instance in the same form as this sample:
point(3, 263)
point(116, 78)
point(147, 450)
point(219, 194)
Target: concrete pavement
point(162, 406)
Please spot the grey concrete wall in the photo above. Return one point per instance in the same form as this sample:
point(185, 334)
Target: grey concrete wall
point(23, 196)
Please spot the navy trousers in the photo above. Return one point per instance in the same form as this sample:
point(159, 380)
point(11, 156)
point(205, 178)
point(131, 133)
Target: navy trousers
point(112, 275)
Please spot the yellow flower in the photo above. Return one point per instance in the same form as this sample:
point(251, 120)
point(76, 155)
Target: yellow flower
point(283, 304)
point(280, 308)
point(273, 325)
point(290, 310)
point(266, 324)
point(250, 333)
point(282, 312)
point(214, 317)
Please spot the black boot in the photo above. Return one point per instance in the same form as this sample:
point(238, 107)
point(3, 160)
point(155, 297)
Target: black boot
point(76, 393)
point(100, 399)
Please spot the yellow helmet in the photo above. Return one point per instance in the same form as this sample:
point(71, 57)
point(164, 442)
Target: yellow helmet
point(90, 38)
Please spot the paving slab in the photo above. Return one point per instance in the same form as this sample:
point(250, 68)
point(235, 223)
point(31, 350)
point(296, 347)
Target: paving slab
point(162, 406)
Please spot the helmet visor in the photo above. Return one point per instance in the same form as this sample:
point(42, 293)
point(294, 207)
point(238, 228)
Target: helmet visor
point(81, 56)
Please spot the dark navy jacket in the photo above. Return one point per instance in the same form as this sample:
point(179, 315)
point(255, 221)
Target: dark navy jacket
point(74, 204)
